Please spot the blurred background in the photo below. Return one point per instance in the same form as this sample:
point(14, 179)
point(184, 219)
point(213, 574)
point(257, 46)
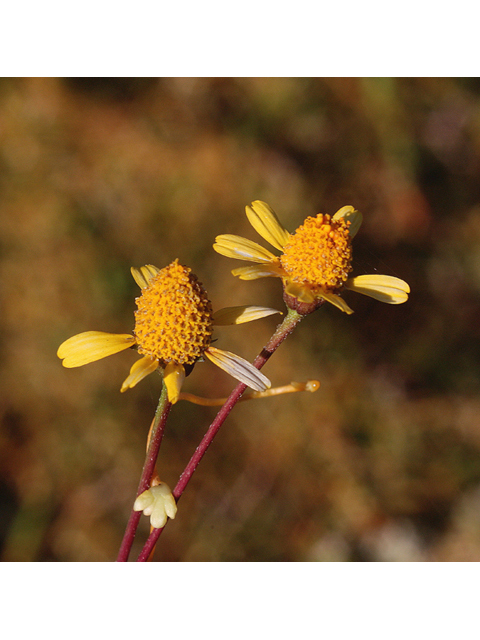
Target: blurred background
point(101, 174)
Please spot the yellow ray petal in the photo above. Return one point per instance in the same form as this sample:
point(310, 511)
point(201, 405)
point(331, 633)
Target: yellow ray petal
point(149, 271)
point(143, 275)
point(90, 346)
point(337, 301)
point(139, 370)
point(139, 277)
point(383, 288)
point(303, 293)
point(299, 291)
point(239, 315)
point(238, 368)
point(241, 249)
point(265, 222)
point(173, 376)
point(353, 216)
point(258, 271)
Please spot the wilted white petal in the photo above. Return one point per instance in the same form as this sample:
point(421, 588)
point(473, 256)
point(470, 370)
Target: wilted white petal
point(239, 315)
point(238, 368)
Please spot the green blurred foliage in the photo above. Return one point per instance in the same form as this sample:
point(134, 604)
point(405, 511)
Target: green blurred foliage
point(100, 174)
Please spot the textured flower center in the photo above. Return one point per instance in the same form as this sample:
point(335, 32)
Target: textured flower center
point(319, 253)
point(173, 322)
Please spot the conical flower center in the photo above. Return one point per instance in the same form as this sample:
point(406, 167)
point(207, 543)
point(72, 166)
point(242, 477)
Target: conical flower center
point(173, 322)
point(319, 253)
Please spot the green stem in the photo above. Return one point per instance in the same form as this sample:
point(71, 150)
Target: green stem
point(156, 435)
point(283, 331)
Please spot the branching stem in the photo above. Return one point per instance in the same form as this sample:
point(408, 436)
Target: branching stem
point(283, 331)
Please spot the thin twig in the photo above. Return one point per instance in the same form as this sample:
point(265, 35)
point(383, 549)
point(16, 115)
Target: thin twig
point(155, 436)
point(293, 387)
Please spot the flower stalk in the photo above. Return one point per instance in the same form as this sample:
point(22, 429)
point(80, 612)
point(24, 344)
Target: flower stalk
point(289, 323)
point(156, 434)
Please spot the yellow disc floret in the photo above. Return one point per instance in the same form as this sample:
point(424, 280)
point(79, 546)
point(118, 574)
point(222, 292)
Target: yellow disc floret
point(174, 320)
point(319, 254)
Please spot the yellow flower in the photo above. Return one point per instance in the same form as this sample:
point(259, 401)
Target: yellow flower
point(158, 503)
point(173, 330)
point(315, 260)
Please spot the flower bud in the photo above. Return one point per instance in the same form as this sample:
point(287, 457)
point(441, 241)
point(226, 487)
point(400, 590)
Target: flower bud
point(158, 503)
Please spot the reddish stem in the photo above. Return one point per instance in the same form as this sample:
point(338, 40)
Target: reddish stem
point(157, 432)
point(283, 331)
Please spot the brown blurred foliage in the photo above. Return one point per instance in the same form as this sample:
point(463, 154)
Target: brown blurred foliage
point(99, 174)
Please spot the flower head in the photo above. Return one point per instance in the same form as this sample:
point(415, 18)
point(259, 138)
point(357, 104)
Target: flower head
point(158, 503)
point(315, 262)
point(173, 330)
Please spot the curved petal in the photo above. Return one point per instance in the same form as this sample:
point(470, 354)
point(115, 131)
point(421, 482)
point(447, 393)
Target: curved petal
point(337, 301)
point(239, 315)
point(173, 376)
point(144, 501)
point(299, 291)
point(265, 222)
point(383, 288)
point(241, 249)
point(139, 370)
point(258, 271)
point(238, 368)
point(353, 216)
point(143, 275)
point(303, 293)
point(90, 346)
point(139, 278)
